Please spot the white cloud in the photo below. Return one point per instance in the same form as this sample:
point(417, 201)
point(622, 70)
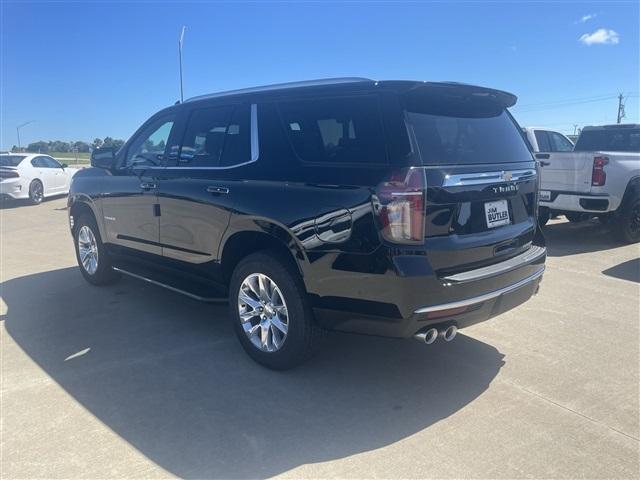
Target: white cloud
point(586, 18)
point(601, 36)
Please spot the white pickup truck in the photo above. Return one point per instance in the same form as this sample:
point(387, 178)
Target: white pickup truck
point(599, 177)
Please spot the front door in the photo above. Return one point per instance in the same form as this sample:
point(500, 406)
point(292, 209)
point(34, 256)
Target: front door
point(129, 203)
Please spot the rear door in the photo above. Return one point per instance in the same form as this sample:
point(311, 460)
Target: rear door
point(561, 169)
point(46, 173)
point(480, 175)
point(198, 189)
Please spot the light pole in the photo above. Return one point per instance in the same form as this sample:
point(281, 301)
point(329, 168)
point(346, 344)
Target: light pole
point(180, 42)
point(18, 131)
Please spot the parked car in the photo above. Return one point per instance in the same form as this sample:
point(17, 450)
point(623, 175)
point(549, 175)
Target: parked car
point(393, 208)
point(33, 176)
point(599, 177)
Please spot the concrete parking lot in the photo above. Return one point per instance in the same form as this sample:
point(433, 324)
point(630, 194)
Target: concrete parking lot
point(134, 381)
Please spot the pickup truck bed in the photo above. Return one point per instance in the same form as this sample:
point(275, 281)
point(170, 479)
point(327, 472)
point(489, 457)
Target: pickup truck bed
point(600, 177)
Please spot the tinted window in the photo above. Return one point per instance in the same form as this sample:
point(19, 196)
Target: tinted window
point(217, 137)
point(50, 162)
point(335, 130)
point(613, 140)
point(543, 141)
point(237, 143)
point(559, 143)
point(10, 160)
point(149, 146)
point(462, 138)
point(39, 162)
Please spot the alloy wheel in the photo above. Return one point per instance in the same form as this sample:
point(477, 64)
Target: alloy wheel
point(36, 192)
point(88, 250)
point(263, 312)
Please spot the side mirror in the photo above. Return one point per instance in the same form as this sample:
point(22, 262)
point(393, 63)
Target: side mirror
point(103, 158)
point(64, 165)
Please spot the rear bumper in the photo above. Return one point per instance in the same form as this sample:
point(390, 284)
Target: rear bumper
point(13, 188)
point(579, 202)
point(418, 302)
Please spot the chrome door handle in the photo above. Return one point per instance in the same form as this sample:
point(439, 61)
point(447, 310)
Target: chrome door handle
point(218, 190)
point(148, 186)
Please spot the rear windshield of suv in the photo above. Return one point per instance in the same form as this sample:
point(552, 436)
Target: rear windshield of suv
point(10, 160)
point(459, 131)
point(609, 140)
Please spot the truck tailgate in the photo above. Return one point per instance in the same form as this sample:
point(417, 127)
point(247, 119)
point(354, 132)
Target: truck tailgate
point(566, 171)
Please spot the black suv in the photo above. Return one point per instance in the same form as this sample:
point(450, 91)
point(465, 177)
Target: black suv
point(393, 208)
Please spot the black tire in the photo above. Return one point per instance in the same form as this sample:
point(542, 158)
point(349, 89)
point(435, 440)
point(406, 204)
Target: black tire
point(627, 224)
point(36, 192)
point(103, 274)
point(543, 216)
point(575, 217)
point(303, 335)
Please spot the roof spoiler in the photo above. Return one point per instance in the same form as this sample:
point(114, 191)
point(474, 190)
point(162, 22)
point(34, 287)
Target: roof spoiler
point(501, 98)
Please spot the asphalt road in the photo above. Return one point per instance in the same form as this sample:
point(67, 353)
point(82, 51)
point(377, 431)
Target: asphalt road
point(134, 381)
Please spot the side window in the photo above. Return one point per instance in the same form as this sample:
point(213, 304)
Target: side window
point(38, 162)
point(51, 162)
point(336, 130)
point(543, 141)
point(560, 143)
point(217, 137)
point(148, 147)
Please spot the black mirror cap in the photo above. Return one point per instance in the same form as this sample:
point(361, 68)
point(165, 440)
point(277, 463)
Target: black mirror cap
point(103, 158)
point(64, 165)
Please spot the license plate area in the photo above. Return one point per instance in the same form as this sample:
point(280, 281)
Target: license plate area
point(545, 195)
point(497, 213)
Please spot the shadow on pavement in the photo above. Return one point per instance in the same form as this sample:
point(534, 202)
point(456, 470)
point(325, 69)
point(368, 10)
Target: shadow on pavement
point(566, 238)
point(629, 270)
point(167, 374)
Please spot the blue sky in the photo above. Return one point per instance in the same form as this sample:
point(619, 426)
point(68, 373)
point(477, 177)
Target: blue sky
point(90, 69)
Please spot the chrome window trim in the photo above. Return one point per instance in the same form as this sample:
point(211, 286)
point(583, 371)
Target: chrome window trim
point(255, 144)
point(481, 178)
point(255, 148)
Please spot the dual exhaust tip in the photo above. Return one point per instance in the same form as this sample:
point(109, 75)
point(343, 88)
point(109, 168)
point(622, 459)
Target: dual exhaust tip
point(431, 335)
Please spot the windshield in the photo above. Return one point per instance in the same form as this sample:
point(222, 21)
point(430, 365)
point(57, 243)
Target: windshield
point(11, 160)
point(465, 132)
point(609, 140)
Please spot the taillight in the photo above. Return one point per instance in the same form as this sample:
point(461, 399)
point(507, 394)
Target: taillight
point(8, 174)
point(598, 175)
point(400, 206)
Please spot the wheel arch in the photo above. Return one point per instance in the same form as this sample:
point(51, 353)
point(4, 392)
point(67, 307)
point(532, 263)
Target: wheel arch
point(631, 191)
point(80, 204)
point(248, 236)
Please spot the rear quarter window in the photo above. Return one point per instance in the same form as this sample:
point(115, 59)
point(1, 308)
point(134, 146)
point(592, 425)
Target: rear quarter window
point(337, 130)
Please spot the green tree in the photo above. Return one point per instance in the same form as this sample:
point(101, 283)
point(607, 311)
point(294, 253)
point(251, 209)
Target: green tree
point(97, 143)
point(38, 147)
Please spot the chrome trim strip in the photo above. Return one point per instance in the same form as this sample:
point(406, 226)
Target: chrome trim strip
point(529, 256)
point(255, 145)
point(481, 298)
point(482, 178)
point(281, 86)
point(169, 287)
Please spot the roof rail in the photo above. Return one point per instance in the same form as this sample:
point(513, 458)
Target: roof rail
point(281, 86)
